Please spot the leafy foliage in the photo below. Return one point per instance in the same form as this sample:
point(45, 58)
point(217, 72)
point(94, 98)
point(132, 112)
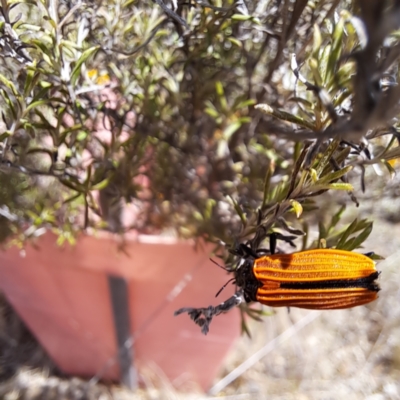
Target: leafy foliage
point(182, 111)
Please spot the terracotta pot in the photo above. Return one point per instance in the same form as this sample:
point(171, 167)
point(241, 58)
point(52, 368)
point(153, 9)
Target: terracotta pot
point(72, 299)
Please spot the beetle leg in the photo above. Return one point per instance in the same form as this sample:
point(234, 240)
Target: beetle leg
point(272, 242)
point(203, 316)
point(275, 236)
point(248, 251)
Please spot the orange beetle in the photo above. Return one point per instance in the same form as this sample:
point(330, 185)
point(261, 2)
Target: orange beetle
point(318, 279)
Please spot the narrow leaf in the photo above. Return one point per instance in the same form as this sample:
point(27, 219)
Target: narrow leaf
point(77, 69)
point(241, 17)
point(267, 183)
point(284, 116)
point(231, 129)
point(341, 186)
point(101, 185)
point(350, 229)
point(333, 176)
point(239, 211)
point(37, 104)
point(9, 84)
point(336, 218)
point(358, 240)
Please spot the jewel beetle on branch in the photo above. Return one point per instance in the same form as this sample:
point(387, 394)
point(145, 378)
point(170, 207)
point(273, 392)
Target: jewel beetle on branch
point(319, 279)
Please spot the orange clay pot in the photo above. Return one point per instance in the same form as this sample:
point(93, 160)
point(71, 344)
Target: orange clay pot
point(63, 296)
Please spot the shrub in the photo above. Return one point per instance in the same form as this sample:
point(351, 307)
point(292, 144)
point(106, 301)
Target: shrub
point(222, 120)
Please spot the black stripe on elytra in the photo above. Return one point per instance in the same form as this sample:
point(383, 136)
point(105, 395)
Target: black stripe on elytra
point(365, 283)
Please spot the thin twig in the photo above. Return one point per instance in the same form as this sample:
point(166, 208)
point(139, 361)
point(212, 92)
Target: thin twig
point(70, 12)
point(141, 46)
point(171, 13)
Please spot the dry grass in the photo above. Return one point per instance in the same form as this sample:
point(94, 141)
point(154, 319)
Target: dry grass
point(17, 346)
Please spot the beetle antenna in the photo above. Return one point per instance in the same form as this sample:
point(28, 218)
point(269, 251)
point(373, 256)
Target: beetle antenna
point(223, 287)
point(219, 265)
